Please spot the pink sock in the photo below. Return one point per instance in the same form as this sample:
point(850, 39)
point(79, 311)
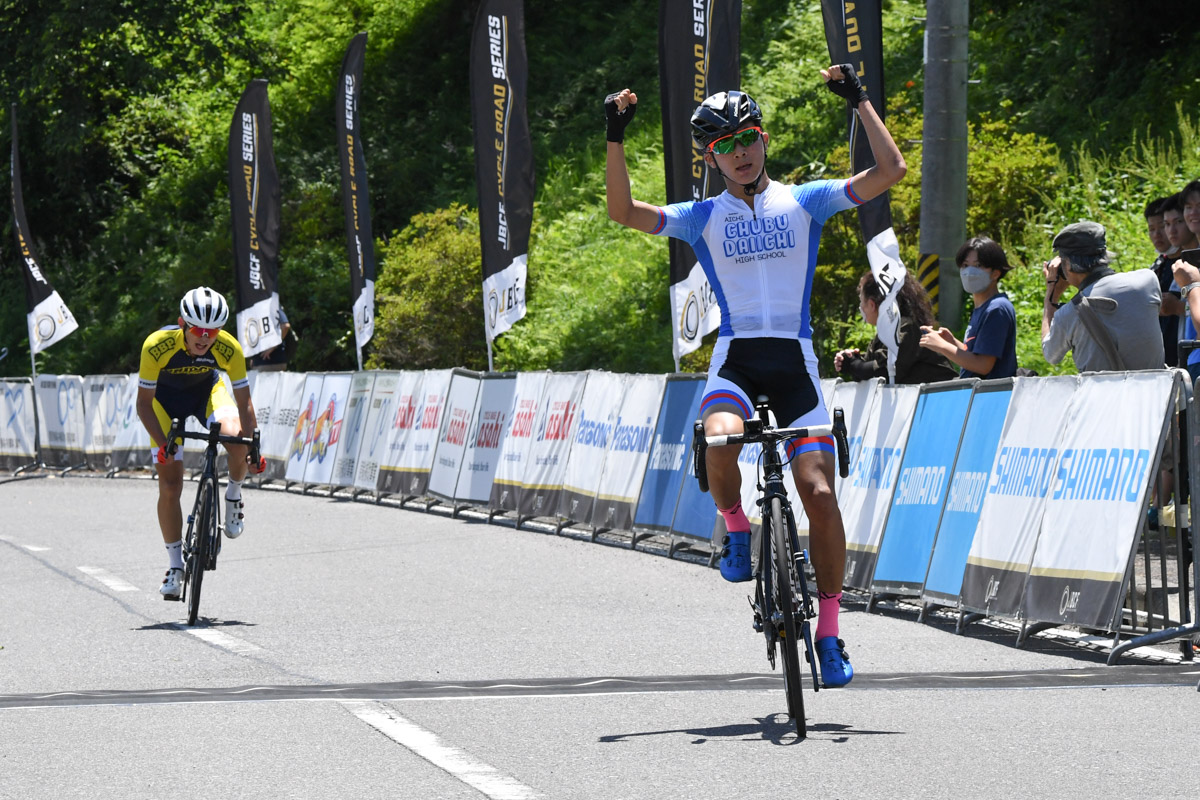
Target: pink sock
point(735, 518)
point(828, 606)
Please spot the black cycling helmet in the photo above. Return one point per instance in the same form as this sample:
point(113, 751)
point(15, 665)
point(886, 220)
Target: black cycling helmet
point(723, 114)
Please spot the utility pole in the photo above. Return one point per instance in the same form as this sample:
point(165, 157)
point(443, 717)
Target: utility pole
point(944, 156)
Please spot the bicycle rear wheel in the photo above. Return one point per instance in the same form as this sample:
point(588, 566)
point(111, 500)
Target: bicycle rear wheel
point(200, 539)
point(786, 607)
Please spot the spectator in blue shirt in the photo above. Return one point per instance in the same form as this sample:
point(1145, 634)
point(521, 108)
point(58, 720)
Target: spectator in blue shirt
point(989, 346)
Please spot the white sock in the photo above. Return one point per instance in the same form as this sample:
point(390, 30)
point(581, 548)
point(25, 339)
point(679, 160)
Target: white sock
point(233, 489)
point(175, 554)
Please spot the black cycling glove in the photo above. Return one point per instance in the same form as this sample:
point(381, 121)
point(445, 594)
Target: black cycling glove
point(617, 120)
point(849, 87)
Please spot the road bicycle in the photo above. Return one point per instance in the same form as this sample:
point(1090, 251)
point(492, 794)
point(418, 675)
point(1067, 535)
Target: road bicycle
point(202, 541)
point(782, 604)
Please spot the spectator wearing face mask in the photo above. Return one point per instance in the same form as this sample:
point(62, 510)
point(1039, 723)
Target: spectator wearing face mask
point(988, 349)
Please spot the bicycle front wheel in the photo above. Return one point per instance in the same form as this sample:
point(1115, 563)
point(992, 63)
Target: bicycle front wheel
point(786, 608)
point(200, 539)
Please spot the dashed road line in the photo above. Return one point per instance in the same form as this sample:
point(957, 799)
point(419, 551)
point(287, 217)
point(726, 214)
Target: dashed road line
point(221, 639)
point(108, 579)
point(429, 746)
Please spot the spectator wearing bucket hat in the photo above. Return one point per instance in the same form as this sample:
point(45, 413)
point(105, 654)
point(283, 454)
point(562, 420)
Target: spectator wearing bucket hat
point(1112, 321)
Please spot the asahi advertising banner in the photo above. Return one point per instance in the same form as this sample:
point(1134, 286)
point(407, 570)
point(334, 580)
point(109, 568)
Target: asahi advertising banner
point(1095, 507)
point(411, 476)
point(47, 316)
point(698, 55)
point(541, 484)
point(503, 159)
point(254, 201)
point(457, 420)
point(488, 426)
point(866, 494)
point(360, 247)
point(518, 441)
point(854, 34)
point(1018, 482)
point(402, 421)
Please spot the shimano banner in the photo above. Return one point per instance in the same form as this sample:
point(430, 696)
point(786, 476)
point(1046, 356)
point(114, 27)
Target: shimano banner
point(254, 203)
point(503, 159)
point(360, 247)
point(669, 454)
point(1015, 500)
point(854, 35)
point(925, 472)
point(968, 486)
point(1095, 507)
point(866, 494)
point(47, 316)
point(698, 55)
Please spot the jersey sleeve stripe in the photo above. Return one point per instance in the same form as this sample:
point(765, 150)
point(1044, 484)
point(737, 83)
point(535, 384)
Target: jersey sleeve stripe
point(662, 221)
point(725, 398)
point(858, 201)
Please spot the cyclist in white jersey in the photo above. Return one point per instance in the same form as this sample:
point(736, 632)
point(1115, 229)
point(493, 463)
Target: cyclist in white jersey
point(757, 242)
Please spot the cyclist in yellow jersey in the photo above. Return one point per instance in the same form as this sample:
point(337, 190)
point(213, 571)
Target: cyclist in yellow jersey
point(178, 378)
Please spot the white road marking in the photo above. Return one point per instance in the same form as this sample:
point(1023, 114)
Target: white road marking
point(31, 547)
point(108, 579)
point(221, 639)
point(428, 746)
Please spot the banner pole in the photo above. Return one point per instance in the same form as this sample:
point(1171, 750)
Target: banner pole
point(32, 360)
point(359, 349)
point(489, 344)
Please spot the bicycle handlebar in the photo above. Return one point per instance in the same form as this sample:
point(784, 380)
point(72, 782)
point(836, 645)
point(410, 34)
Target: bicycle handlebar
point(212, 436)
point(756, 431)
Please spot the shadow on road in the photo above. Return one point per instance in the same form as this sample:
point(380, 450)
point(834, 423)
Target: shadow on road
point(776, 729)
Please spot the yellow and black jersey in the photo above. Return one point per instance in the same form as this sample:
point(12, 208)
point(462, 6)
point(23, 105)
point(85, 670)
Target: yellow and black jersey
point(171, 371)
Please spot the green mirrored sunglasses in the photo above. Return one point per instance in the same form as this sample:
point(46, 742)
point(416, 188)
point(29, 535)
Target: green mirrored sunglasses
point(726, 144)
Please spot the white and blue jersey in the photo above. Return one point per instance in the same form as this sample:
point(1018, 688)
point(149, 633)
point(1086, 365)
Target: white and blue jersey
point(760, 264)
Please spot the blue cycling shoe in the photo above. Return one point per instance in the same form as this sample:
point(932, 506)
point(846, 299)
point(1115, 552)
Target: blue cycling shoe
point(835, 664)
point(735, 556)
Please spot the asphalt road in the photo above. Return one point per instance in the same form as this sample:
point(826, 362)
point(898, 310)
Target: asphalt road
point(354, 650)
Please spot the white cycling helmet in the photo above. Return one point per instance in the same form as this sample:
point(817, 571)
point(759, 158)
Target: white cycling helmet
point(204, 308)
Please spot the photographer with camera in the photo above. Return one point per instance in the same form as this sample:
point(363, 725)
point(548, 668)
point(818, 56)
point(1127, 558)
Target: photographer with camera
point(1112, 321)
